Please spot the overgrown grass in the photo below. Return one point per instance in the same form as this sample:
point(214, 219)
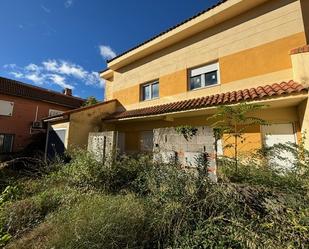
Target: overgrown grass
point(133, 202)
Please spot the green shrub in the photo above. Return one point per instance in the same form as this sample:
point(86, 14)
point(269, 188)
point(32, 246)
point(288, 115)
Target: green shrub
point(134, 202)
point(82, 171)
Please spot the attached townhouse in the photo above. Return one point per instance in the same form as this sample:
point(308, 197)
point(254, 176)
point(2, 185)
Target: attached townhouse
point(22, 107)
point(251, 51)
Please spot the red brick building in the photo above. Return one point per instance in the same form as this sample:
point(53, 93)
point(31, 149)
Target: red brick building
point(22, 106)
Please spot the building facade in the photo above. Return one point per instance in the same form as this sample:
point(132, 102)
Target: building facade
point(22, 107)
point(236, 51)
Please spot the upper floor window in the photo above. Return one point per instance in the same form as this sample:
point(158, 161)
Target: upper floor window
point(6, 143)
point(150, 91)
point(204, 76)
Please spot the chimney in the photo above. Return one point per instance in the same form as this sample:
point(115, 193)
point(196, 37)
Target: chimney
point(67, 91)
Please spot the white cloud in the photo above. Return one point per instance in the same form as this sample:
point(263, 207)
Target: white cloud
point(59, 72)
point(50, 65)
point(11, 66)
point(17, 75)
point(107, 52)
point(93, 78)
point(33, 67)
point(36, 78)
point(47, 10)
point(64, 67)
point(68, 3)
point(59, 80)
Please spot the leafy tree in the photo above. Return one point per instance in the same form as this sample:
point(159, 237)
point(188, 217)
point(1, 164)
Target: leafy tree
point(233, 122)
point(91, 100)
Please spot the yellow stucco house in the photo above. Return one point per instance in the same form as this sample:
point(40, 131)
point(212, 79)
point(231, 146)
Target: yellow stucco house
point(238, 50)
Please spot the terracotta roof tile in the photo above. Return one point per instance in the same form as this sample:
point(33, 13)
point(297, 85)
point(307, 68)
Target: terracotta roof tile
point(300, 50)
point(213, 100)
point(16, 88)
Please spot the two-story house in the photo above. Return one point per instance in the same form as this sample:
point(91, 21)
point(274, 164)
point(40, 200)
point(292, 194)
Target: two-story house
point(251, 51)
point(22, 107)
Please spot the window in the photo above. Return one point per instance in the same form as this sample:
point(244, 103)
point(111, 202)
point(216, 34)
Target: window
point(6, 143)
point(150, 91)
point(204, 76)
point(6, 108)
point(53, 112)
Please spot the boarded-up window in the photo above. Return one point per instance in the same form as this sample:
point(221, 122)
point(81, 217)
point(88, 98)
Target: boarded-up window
point(146, 141)
point(6, 108)
point(53, 112)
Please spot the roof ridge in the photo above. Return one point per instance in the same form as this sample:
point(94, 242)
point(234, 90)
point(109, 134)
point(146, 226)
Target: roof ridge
point(38, 88)
point(16, 88)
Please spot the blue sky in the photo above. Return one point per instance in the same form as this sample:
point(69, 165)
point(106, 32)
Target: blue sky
point(64, 43)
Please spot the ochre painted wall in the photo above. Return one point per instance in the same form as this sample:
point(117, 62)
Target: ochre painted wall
point(89, 120)
point(264, 59)
point(251, 141)
point(128, 96)
point(174, 83)
point(261, 60)
point(252, 48)
point(108, 91)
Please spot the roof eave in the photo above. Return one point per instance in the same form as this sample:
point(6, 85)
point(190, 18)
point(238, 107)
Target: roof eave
point(192, 26)
point(107, 74)
point(299, 96)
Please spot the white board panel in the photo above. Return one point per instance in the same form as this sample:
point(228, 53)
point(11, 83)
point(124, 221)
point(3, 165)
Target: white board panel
point(6, 108)
point(280, 134)
point(53, 112)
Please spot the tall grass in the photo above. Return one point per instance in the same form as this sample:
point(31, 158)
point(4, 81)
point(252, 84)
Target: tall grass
point(134, 202)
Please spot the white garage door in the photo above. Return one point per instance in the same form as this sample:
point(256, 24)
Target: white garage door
point(280, 134)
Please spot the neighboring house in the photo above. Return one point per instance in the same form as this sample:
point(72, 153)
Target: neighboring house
point(22, 107)
point(251, 51)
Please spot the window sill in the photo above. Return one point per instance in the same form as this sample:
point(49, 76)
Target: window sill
point(147, 100)
point(204, 87)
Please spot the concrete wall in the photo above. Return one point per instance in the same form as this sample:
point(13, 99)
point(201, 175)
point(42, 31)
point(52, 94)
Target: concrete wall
point(168, 142)
point(259, 40)
point(168, 139)
point(102, 144)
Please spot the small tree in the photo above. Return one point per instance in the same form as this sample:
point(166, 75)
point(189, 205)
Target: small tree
point(187, 131)
point(233, 121)
point(90, 101)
